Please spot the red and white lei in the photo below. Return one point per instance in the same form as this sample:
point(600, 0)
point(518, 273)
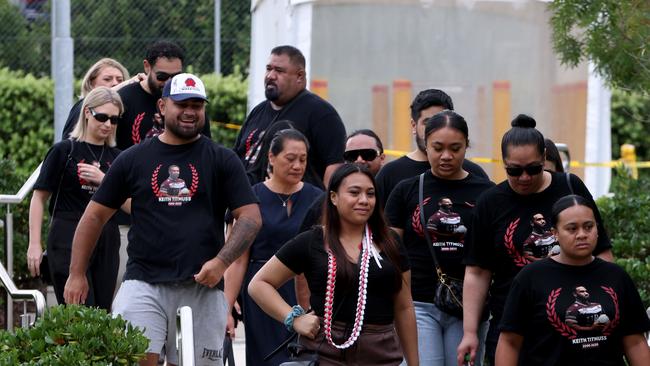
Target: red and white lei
point(367, 250)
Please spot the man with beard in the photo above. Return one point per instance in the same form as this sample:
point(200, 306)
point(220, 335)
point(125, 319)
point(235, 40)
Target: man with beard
point(141, 118)
point(427, 103)
point(174, 186)
point(541, 240)
point(287, 99)
point(583, 315)
point(177, 254)
point(445, 224)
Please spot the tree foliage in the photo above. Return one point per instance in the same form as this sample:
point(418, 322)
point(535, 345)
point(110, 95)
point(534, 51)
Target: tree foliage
point(614, 34)
point(631, 122)
point(122, 29)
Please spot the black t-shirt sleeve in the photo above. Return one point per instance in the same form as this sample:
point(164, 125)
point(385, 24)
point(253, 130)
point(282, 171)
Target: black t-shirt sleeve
point(381, 180)
point(479, 251)
point(236, 184)
point(295, 252)
point(328, 138)
point(635, 319)
point(52, 168)
point(313, 215)
point(580, 189)
point(73, 118)
point(517, 312)
point(112, 192)
point(396, 206)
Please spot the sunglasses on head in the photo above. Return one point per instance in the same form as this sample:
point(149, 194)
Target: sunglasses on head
point(163, 76)
point(516, 171)
point(366, 154)
point(103, 117)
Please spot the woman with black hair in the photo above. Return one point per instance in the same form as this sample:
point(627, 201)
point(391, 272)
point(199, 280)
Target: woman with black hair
point(573, 308)
point(510, 230)
point(553, 161)
point(448, 194)
point(284, 201)
point(358, 276)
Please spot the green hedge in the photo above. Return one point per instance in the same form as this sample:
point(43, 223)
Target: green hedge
point(26, 127)
point(625, 215)
point(74, 335)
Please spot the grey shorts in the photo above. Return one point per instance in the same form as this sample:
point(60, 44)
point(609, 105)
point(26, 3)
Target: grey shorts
point(152, 307)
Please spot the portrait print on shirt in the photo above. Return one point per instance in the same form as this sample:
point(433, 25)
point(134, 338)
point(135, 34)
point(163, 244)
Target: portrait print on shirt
point(174, 191)
point(539, 243)
point(446, 227)
point(589, 317)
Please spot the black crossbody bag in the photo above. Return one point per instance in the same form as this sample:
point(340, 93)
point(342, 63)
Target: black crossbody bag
point(44, 268)
point(449, 290)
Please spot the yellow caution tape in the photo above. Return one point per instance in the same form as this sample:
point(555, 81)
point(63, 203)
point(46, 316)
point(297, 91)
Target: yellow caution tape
point(573, 164)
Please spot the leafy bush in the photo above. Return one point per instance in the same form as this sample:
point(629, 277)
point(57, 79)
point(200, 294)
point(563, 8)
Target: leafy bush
point(626, 219)
point(74, 335)
point(26, 119)
point(228, 96)
point(10, 183)
point(631, 122)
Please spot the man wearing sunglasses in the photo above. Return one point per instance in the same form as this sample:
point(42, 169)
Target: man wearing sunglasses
point(427, 103)
point(287, 98)
point(141, 118)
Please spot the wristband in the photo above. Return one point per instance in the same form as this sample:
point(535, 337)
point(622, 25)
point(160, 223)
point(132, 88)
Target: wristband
point(296, 311)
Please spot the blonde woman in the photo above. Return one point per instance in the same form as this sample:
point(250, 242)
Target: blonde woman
point(72, 171)
point(105, 72)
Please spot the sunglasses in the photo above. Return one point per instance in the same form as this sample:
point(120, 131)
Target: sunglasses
point(163, 76)
point(516, 171)
point(103, 117)
point(366, 154)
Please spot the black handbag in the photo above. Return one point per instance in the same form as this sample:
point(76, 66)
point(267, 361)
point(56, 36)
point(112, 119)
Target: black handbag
point(449, 291)
point(300, 355)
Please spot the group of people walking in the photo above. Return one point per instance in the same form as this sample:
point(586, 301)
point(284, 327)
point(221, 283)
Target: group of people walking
point(422, 261)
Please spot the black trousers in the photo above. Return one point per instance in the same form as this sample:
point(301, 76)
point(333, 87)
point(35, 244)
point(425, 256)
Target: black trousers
point(104, 262)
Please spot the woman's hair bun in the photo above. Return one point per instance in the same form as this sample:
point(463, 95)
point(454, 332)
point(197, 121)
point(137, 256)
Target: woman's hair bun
point(524, 121)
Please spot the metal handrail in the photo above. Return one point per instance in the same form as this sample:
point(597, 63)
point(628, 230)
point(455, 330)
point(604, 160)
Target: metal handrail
point(18, 294)
point(185, 336)
point(8, 283)
point(24, 190)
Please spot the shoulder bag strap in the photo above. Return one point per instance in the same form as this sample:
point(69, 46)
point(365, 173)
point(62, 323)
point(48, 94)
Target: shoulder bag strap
point(58, 188)
point(441, 275)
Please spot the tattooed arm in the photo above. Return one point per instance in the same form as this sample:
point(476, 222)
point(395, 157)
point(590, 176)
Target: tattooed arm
point(247, 223)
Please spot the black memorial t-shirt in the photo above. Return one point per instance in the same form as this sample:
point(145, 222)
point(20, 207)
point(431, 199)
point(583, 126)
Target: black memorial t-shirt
point(175, 230)
point(447, 225)
point(405, 167)
point(503, 223)
point(75, 192)
point(306, 254)
point(311, 115)
point(137, 122)
point(573, 315)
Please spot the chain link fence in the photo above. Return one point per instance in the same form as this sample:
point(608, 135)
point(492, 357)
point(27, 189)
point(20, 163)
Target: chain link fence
point(122, 29)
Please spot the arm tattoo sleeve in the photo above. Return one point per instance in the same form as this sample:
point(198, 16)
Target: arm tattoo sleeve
point(241, 237)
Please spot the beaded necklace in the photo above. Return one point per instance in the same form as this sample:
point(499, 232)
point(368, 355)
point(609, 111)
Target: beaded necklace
point(364, 264)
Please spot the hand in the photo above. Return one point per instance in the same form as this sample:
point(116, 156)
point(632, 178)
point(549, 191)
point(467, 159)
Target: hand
point(211, 273)
point(90, 173)
point(76, 289)
point(468, 345)
point(307, 325)
point(34, 258)
point(230, 326)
